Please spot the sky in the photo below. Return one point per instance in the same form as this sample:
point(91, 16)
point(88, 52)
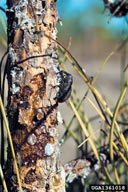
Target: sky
point(3, 3)
point(72, 6)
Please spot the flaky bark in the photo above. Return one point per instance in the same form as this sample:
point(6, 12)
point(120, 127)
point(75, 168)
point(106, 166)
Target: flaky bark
point(32, 99)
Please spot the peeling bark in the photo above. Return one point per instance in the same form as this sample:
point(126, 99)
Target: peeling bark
point(33, 78)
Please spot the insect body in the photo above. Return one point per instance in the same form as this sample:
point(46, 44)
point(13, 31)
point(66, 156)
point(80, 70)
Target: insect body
point(65, 83)
point(117, 8)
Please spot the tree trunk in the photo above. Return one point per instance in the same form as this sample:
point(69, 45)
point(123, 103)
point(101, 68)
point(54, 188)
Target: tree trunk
point(33, 80)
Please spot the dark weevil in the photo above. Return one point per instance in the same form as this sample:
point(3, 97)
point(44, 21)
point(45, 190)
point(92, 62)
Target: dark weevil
point(65, 84)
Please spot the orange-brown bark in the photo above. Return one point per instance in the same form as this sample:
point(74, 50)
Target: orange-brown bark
point(32, 102)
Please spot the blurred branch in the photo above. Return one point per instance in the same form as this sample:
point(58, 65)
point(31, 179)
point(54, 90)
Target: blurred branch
point(2, 9)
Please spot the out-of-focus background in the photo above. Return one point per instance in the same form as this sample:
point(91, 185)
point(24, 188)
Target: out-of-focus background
point(93, 37)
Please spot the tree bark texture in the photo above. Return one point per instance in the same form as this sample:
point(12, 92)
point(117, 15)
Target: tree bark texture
point(33, 80)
